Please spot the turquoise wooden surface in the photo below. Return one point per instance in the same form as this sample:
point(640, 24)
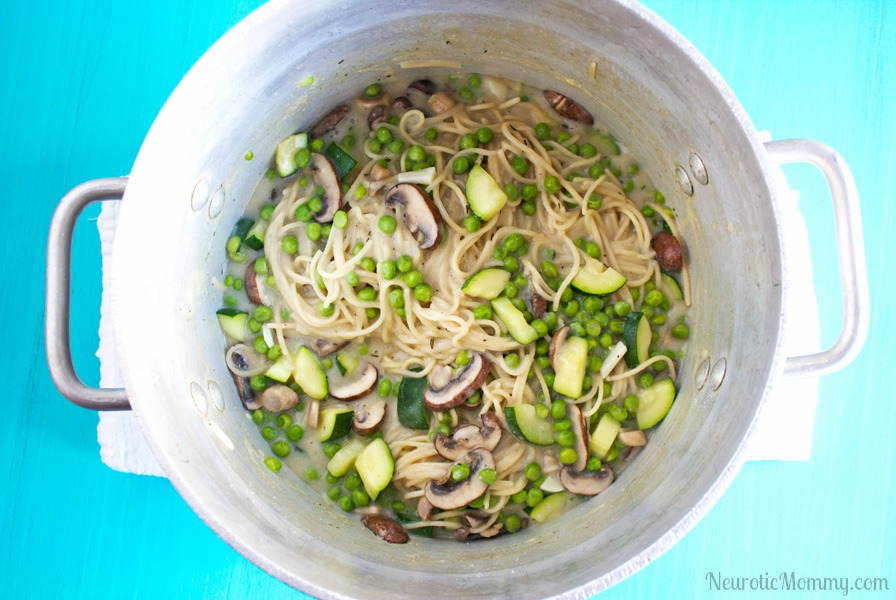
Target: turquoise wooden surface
point(80, 83)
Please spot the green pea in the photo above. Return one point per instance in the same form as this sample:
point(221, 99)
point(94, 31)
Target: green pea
point(512, 192)
point(373, 90)
point(352, 279)
point(549, 269)
point(533, 471)
point(325, 309)
point(645, 379)
point(254, 326)
point(331, 479)
point(262, 314)
point(388, 270)
point(543, 362)
point(593, 464)
point(563, 136)
point(617, 412)
point(595, 170)
point(259, 382)
point(413, 278)
point(396, 146)
point(558, 409)
point(416, 153)
point(463, 358)
point(482, 312)
point(542, 347)
point(396, 298)
point(520, 165)
point(368, 264)
point(550, 319)
point(519, 497)
point(334, 492)
point(313, 231)
point(384, 135)
point(393, 120)
point(423, 292)
point(658, 197)
point(269, 433)
point(622, 308)
point(331, 448)
point(563, 424)
point(488, 476)
point(587, 151)
point(472, 223)
point(468, 141)
point(499, 253)
point(542, 131)
point(595, 202)
point(460, 471)
point(404, 263)
point(567, 456)
point(680, 331)
point(512, 523)
point(431, 134)
point(340, 219)
point(549, 378)
point(387, 224)
point(511, 263)
point(315, 204)
point(654, 298)
point(567, 438)
point(475, 80)
point(352, 481)
point(260, 345)
point(465, 93)
point(617, 326)
point(551, 184)
point(540, 328)
point(612, 455)
point(571, 308)
point(594, 363)
point(375, 146)
point(398, 506)
point(267, 211)
point(605, 340)
point(258, 416)
point(281, 449)
point(529, 191)
point(345, 503)
point(484, 135)
point(592, 328)
point(302, 157)
point(311, 474)
point(660, 319)
point(289, 244)
point(528, 207)
point(360, 498)
point(646, 211)
point(303, 213)
point(577, 329)
point(534, 497)
point(592, 249)
point(510, 289)
point(273, 463)
point(460, 165)
point(367, 294)
point(630, 403)
point(512, 360)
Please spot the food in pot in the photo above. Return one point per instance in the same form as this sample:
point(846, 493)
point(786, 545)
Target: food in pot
point(447, 307)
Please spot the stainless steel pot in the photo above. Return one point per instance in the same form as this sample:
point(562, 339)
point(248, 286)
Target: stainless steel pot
point(190, 183)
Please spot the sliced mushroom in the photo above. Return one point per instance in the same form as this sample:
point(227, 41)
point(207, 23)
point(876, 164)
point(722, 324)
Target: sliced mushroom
point(539, 305)
point(401, 104)
point(468, 437)
point(587, 483)
point(246, 393)
point(329, 121)
point(278, 398)
point(379, 172)
point(580, 428)
point(325, 175)
point(557, 342)
point(568, 108)
point(424, 508)
point(376, 114)
point(368, 420)
point(458, 388)
point(441, 102)
point(367, 103)
point(386, 528)
point(356, 387)
point(251, 284)
point(461, 534)
point(323, 347)
point(424, 87)
point(668, 251)
point(420, 215)
point(633, 438)
point(493, 530)
point(448, 494)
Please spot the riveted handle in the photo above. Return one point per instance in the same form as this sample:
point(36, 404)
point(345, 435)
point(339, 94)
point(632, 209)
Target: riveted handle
point(59, 262)
point(850, 250)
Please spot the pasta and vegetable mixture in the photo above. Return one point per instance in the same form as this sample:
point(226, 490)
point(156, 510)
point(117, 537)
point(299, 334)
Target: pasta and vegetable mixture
point(456, 307)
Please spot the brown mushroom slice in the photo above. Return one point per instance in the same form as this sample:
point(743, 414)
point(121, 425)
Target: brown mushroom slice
point(377, 114)
point(633, 438)
point(356, 387)
point(460, 387)
point(668, 251)
point(424, 87)
point(424, 508)
point(250, 280)
point(568, 108)
point(323, 347)
point(580, 429)
point(448, 494)
point(587, 483)
point(368, 420)
point(367, 103)
point(386, 528)
point(441, 102)
point(326, 176)
point(278, 398)
point(329, 121)
point(245, 392)
point(468, 437)
point(461, 534)
point(539, 305)
point(420, 214)
point(557, 342)
point(401, 104)
point(378, 172)
point(493, 530)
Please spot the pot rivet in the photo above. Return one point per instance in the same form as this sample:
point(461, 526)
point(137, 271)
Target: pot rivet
point(200, 195)
point(718, 374)
point(200, 398)
point(699, 169)
point(702, 374)
point(684, 180)
point(217, 204)
point(217, 394)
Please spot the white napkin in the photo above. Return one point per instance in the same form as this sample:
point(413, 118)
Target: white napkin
point(783, 431)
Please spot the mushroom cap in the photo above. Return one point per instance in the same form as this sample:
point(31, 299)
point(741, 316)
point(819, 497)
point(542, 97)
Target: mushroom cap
point(356, 387)
point(460, 387)
point(245, 392)
point(424, 508)
point(369, 419)
point(324, 347)
point(420, 214)
point(278, 398)
point(448, 494)
point(567, 108)
point(329, 121)
point(580, 428)
point(441, 102)
point(469, 437)
point(386, 528)
point(326, 176)
point(557, 341)
point(587, 483)
point(668, 251)
point(422, 86)
point(401, 103)
point(539, 305)
point(376, 114)
point(253, 290)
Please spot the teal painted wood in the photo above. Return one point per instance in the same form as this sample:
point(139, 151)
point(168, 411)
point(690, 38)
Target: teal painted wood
point(79, 86)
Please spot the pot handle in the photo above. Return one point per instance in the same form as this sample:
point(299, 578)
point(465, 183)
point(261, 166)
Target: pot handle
point(59, 262)
point(850, 250)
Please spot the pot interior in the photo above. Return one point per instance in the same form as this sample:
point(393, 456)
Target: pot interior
point(191, 182)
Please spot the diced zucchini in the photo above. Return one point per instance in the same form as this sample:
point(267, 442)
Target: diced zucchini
point(335, 423)
point(523, 422)
point(234, 323)
point(310, 375)
point(282, 369)
point(345, 457)
point(255, 237)
point(487, 283)
point(604, 435)
point(637, 337)
point(552, 507)
point(605, 144)
point(412, 412)
point(570, 361)
point(654, 403)
point(342, 160)
point(285, 154)
point(514, 320)
point(485, 196)
point(346, 362)
point(241, 229)
point(375, 465)
point(669, 286)
point(418, 531)
point(594, 277)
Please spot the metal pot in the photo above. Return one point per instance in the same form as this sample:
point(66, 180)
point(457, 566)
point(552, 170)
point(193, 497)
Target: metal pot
point(649, 87)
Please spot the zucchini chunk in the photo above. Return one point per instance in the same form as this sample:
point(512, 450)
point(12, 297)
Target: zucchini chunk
point(594, 277)
point(654, 403)
point(375, 465)
point(234, 323)
point(524, 423)
point(514, 320)
point(487, 283)
point(570, 361)
point(284, 155)
point(604, 435)
point(485, 196)
point(345, 457)
point(636, 335)
point(310, 375)
point(335, 423)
